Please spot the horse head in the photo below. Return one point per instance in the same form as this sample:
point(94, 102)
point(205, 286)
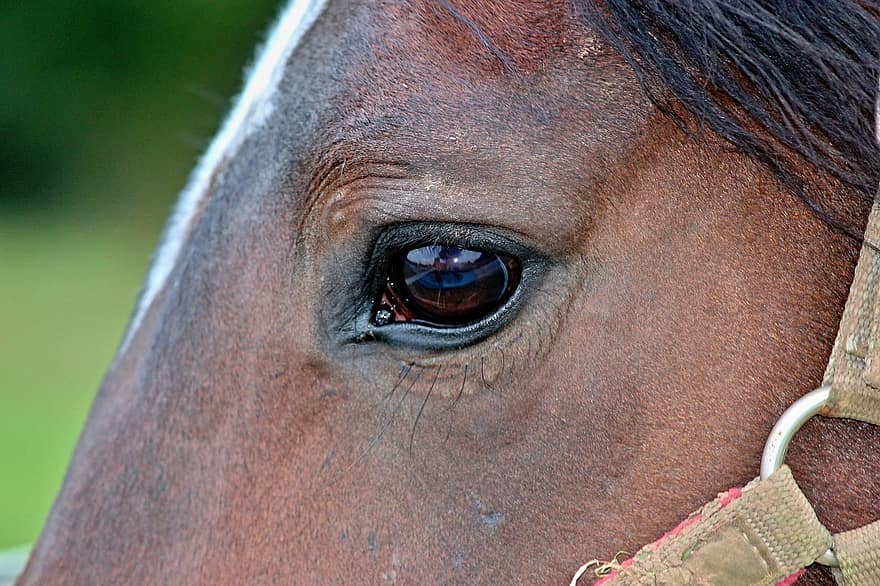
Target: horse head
point(476, 291)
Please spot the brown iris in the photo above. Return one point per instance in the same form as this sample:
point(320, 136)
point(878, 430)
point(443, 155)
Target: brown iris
point(447, 286)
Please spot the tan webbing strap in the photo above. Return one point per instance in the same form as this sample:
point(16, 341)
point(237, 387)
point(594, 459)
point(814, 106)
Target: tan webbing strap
point(758, 539)
point(854, 367)
point(854, 376)
point(858, 552)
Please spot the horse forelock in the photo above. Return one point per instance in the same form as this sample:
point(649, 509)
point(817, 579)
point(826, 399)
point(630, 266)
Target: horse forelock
point(251, 111)
point(759, 74)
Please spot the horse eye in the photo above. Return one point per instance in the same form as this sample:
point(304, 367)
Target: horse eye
point(446, 286)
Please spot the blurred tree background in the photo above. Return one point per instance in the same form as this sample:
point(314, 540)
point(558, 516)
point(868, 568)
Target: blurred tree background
point(104, 107)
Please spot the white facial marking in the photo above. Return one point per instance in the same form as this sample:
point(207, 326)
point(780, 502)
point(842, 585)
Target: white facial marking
point(252, 110)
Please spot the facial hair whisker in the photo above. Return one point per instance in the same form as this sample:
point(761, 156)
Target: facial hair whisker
point(455, 402)
point(412, 434)
point(381, 433)
point(387, 398)
point(486, 384)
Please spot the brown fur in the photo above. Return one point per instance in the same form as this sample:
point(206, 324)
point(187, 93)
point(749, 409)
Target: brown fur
point(688, 300)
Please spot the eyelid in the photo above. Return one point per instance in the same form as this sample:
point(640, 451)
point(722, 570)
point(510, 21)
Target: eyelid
point(398, 237)
point(395, 238)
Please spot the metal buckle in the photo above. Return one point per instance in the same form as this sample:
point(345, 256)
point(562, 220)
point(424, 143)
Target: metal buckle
point(780, 437)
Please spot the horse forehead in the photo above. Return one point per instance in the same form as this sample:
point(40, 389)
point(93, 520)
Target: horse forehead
point(486, 33)
point(484, 37)
point(413, 82)
point(402, 63)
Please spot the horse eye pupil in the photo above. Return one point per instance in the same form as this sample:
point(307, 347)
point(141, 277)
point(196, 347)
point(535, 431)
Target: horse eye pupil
point(449, 285)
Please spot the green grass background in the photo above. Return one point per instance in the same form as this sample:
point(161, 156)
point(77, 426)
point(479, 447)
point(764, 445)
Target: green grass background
point(66, 292)
point(104, 107)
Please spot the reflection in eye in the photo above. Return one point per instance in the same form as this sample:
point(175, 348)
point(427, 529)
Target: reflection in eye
point(447, 286)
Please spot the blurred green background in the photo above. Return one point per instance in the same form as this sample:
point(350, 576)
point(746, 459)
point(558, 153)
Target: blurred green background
point(104, 108)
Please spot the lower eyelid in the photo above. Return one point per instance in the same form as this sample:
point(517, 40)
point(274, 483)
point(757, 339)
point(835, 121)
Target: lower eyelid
point(498, 355)
point(458, 375)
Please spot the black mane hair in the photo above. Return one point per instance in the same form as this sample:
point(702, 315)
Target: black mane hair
point(775, 78)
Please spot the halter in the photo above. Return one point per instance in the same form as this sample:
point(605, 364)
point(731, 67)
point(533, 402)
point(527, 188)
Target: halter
point(767, 532)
